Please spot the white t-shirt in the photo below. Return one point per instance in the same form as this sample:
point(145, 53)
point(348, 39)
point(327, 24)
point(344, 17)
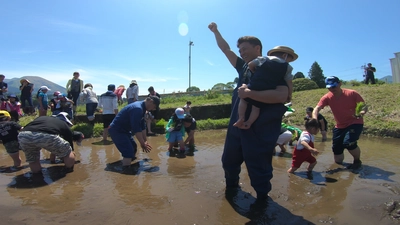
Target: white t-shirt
point(305, 136)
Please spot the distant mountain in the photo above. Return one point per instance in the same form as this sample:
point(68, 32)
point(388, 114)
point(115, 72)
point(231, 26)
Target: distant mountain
point(388, 79)
point(13, 85)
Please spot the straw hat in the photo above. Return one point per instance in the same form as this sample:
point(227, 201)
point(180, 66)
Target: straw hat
point(122, 86)
point(23, 79)
point(284, 49)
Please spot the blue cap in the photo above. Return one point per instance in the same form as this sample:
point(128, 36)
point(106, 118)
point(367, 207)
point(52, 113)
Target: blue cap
point(332, 82)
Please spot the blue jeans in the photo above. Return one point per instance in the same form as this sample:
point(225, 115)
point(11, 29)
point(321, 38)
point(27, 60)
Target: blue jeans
point(28, 99)
point(90, 109)
point(123, 141)
point(175, 136)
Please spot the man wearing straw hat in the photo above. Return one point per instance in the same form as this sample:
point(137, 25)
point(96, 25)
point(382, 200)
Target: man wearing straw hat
point(255, 145)
point(26, 95)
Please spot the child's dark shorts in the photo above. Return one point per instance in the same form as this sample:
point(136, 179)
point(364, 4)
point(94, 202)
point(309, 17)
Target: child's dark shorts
point(12, 147)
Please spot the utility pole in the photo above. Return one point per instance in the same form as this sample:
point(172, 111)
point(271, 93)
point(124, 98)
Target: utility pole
point(363, 67)
point(190, 59)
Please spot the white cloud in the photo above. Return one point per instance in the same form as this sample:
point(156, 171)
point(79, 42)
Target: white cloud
point(74, 27)
point(209, 62)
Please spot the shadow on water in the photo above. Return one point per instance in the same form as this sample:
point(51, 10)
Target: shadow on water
point(108, 142)
point(12, 169)
point(316, 178)
point(134, 169)
point(366, 172)
point(57, 161)
point(48, 176)
point(175, 152)
point(371, 172)
point(261, 212)
point(284, 155)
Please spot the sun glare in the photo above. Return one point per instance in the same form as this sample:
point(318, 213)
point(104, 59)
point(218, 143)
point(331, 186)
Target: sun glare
point(183, 29)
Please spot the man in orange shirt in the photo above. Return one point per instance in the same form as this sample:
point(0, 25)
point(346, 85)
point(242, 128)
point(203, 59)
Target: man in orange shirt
point(348, 126)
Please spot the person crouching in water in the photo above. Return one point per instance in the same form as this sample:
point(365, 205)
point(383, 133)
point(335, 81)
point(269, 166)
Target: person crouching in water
point(304, 150)
point(9, 136)
point(65, 105)
point(175, 132)
point(52, 133)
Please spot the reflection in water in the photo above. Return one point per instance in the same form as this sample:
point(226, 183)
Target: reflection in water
point(49, 191)
point(181, 168)
point(311, 195)
point(167, 190)
point(30, 180)
point(134, 169)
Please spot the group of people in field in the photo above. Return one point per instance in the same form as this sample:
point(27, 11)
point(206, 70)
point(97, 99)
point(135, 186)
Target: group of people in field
point(57, 137)
point(255, 127)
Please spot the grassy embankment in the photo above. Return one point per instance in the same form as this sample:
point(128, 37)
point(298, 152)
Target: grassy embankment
point(383, 118)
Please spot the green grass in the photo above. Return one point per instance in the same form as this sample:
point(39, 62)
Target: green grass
point(210, 98)
point(382, 119)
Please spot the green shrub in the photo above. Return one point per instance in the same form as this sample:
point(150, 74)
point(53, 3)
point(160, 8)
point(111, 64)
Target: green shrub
point(161, 124)
point(379, 82)
point(354, 83)
point(89, 130)
point(212, 94)
point(212, 124)
point(302, 84)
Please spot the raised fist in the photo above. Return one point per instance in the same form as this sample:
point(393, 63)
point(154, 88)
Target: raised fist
point(213, 27)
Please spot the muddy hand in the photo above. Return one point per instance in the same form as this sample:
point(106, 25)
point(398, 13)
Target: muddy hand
point(146, 147)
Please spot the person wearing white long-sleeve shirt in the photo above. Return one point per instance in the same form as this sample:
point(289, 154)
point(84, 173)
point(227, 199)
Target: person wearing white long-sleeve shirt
point(109, 103)
point(132, 93)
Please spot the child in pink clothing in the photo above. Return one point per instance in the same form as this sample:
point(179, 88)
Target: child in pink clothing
point(119, 91)
point(13, 106)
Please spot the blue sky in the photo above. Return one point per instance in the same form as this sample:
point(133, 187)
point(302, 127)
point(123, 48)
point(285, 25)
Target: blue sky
point(115, 41)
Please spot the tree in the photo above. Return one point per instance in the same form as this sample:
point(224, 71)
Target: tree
point(316, 74)
point(222, 86)
point(299, 75)
point(236, 80)
point(302, 84)
point(231, 85)
point(192, 88)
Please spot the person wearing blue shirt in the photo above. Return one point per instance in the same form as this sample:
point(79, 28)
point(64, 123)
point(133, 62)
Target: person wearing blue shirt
point(129, 121)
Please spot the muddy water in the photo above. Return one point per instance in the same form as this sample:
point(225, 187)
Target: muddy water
point(167, 190)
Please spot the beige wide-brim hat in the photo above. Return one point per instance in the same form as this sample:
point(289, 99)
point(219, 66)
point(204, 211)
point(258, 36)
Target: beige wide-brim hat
point(23, 79)
point(284, 49)
point(122, 86)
